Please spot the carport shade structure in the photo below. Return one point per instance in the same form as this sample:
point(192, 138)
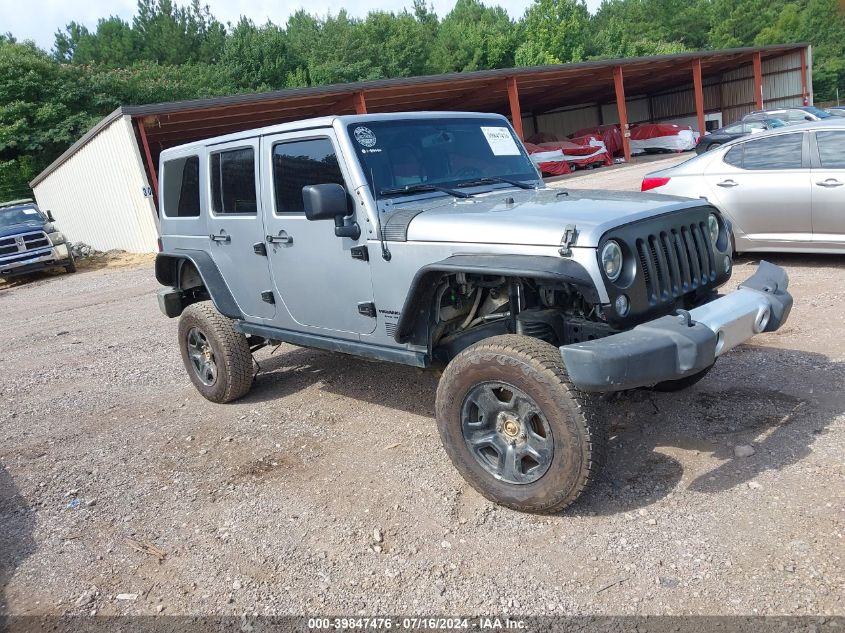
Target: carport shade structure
point(538, 89)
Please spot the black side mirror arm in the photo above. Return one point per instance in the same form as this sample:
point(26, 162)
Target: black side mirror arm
point(342, 229)
point(50, 216)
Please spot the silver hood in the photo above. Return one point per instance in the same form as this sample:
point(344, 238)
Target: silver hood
point(536, 217)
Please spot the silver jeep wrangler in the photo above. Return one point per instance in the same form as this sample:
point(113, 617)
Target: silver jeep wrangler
point(429, 239)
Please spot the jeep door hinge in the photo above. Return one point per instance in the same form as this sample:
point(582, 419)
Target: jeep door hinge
point(259, 248)
point(367, 308)
point(570, 233)
point(360, 252)
point(268, 297)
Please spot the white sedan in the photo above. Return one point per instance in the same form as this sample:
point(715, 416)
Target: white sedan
point(783, 190)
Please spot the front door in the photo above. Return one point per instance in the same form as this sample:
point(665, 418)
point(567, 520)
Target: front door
point(236, 226)
point(322, 287)
point(828, 185)
point(764, 186)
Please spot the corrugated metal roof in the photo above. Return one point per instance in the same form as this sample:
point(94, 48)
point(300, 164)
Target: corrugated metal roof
point(541, 88)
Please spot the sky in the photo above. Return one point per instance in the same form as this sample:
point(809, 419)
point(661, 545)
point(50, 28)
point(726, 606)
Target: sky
point(38, 20)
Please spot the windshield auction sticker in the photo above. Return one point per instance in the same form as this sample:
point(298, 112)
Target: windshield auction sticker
point(499, 139)
point(365, 136)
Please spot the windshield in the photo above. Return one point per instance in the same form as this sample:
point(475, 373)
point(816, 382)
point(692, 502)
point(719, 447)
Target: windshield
point(425, 154)
point(20, 215)
point(818, 112)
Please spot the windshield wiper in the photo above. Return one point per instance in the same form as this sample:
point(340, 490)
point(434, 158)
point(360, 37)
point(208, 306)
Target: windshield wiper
point(423, 187)
point(492, 180)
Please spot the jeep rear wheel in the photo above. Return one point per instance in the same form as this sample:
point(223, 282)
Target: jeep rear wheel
point(216, 356)
point(515, 427)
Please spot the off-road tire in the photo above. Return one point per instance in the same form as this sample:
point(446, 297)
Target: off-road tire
point(230, 348)
point(680, 384)
point(535, 367)
point(70, 267)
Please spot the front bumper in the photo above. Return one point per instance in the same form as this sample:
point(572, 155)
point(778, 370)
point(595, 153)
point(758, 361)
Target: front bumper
point(34, 260)
point(674, 347)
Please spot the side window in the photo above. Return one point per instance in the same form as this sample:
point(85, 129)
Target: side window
point(182, 187)
point(830, 149)
point(734, 156)
point(233, 182)
point(734, 129)
point(799, 116)
point(773, 152)
point(754, 126)
point(297, 164)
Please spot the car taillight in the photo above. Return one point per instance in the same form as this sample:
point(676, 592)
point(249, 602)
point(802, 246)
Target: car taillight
point(652, 183)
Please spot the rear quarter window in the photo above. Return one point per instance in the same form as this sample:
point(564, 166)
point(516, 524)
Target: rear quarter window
point(181, 195)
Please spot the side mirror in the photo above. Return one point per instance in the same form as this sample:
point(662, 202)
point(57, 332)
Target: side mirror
point(50, 216)
point(329, 202)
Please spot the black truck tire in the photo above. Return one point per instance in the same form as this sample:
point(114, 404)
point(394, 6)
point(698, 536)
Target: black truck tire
point(70, 267)
point(216, 356)
point(538, 443)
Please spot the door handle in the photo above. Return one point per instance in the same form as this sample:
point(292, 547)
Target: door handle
point(830, 182)
point(281, 238)
point(225, 239)
point(727, 183)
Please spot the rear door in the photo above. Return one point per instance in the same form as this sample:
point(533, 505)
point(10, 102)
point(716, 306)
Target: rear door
point(763, 184)
point(236, 226)
point(828, 186)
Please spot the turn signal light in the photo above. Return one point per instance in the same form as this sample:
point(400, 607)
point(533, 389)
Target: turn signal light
point(652, 183)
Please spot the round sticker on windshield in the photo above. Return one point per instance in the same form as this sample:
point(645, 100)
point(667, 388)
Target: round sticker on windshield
point(365, 136)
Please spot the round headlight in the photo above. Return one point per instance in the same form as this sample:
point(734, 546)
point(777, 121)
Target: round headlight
point(611, 260)
point(713, 226)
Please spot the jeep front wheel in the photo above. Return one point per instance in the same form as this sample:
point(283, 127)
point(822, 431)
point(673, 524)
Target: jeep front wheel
point(515, 427)
point(216, 356)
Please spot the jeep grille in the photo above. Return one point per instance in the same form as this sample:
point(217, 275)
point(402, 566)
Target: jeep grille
point(675, 261)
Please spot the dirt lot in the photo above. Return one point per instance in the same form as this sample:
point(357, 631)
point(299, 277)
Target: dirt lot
point(326, 490)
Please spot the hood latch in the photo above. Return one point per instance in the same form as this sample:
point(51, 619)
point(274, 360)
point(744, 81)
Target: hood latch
point(570, 234)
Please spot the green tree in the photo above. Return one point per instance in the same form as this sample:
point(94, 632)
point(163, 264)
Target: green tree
point(44, 107)
point(474, 36)
point(555, 32)
point(258, 57)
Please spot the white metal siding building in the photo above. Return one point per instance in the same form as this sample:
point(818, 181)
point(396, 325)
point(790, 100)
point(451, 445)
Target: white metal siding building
point(103, 190)
point(100, 194)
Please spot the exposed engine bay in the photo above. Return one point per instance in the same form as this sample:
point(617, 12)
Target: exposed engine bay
point(471, 307)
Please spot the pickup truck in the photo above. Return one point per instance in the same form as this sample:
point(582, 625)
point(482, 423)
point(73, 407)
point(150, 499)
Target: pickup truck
point(30, 241)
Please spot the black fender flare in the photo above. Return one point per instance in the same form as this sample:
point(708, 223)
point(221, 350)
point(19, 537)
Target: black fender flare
point(168, 269)
point(413, 320)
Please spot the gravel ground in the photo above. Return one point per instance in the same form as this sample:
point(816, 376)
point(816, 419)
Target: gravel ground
point(326, 490)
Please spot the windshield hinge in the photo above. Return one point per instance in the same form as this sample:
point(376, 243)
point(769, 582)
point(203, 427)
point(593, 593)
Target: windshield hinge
point(569, 236)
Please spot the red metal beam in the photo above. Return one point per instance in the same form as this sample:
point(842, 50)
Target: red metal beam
point(360, 103)
point(805, 95)
point(621, 107)
point(516, 112)
point(758, 80)
point(699, 95)
point(151, 167)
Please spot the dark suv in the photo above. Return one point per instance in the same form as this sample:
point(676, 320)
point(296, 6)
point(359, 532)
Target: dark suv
point(29, 241)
